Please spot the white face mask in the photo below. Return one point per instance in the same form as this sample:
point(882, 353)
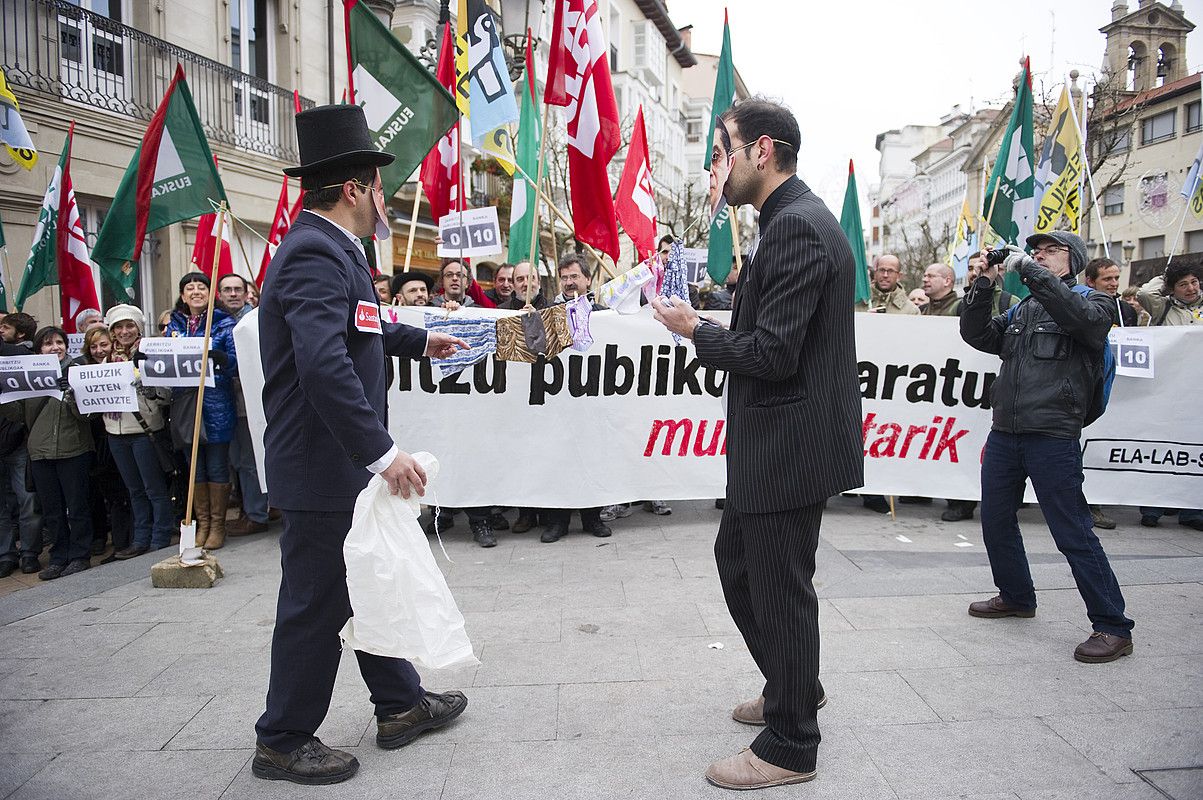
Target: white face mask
point(383, 229)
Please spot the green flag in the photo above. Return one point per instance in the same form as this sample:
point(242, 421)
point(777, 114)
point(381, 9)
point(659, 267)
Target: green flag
point(42, 267)
point(522, 202)
point(406, 108)
point(851, 224)
point(172, 177)
point(721, 244)
point(1010, 194)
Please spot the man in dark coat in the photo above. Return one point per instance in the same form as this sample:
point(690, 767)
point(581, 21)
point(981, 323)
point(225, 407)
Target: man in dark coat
point(794, 422)
point(323, 346)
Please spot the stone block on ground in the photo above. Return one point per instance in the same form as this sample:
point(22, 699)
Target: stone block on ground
point(171, 574)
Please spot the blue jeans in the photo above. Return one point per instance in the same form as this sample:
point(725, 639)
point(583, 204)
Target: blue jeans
point(16, 509)
point(1055, 467)
point(1184, 514)
point(242, 459)
point(62, 485)
point(150, 499)
point(212, 462)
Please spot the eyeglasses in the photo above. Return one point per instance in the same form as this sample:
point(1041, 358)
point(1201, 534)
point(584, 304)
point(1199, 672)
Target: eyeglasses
point(1052, 248)
point(716, 156)
point(377, 189)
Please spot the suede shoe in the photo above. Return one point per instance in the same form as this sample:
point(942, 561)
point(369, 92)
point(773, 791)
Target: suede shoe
point(752, 711)
point(746, 770)
point(995, 607)
point(482, 534)
point(1103, 647)
point(432, 712)
point(245, 526)
point(30, 564)
point(312, 764)
point(1101, 520)
point(554, 532)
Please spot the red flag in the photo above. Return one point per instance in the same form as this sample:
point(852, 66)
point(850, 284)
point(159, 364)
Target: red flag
point(281, 222)
point(635, 203)
point(77, 288)
point(440, 173)
point(578, 77)
point(202, 250)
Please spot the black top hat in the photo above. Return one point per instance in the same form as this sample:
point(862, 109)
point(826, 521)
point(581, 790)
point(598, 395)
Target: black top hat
point(335, 136)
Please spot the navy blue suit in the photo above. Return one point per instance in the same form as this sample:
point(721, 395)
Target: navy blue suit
point(323, 347)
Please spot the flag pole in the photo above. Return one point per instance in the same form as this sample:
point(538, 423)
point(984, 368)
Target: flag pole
point(739, 256)
point(1182, 220)
point(245, 259)
point(413, 224)
point(1098, 213)
point(563, 218)
point(204, 364)
point(534, 231)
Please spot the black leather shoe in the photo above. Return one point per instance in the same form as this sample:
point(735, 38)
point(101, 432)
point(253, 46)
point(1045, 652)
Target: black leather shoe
point(51, 572)
point(959, 511)
point(498, 522)
point(444, 521)
point(7, 568)
point(598, 528)
point(877, 503)
point(1103, 647)
point(483, 535)
point(554, 532)
point(312, 764)
point(1149, 521)
point(1197, 524)
point(30, 564)
point(431, 713)
point(133, 551)
point(523, 524)
point(78, 565)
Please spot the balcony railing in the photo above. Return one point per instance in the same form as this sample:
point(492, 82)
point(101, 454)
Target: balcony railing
point(56, 48)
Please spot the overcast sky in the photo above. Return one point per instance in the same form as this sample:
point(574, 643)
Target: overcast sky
point(900, 62)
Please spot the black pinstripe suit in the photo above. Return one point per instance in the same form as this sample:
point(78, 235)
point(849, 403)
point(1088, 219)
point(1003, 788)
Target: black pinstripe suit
point(794, 439)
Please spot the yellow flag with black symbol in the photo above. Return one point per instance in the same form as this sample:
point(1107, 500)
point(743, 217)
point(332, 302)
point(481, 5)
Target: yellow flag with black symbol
point(462, 76)
point(1059, 171)
point(12, 128)
point(499, 144)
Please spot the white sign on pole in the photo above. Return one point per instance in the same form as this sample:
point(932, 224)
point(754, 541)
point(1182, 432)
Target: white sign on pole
point(1133, 350)
point(695, 264)
point(173, 361)
point(22, 377)
point(75, 345)
point(470, 233)
point(102, 388)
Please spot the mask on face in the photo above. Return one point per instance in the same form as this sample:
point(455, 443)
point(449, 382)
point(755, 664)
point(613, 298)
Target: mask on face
point(383, 230)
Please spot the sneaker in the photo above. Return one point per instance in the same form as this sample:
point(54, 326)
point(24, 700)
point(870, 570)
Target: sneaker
point(1100, 519)
point(609, 513)
point(524, 523)
point(658, 507)
point(1103, 647)
point(78, 565)
point(483, 534)
point(623, 510)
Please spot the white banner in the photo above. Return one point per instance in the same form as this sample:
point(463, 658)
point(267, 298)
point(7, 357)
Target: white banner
point(636, 418)
point(101, 388)
point(173, 361)
point(22, 377)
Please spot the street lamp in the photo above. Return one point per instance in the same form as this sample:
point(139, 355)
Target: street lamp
point(1129, 249)
point(517, 17)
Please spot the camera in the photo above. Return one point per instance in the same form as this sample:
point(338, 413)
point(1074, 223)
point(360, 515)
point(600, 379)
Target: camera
point(995, 258)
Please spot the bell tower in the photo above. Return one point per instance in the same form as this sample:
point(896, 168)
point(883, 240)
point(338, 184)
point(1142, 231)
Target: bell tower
point(1146, 48)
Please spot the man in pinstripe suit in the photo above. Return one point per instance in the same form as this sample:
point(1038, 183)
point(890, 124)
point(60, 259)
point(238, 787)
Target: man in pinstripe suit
point(794, 432)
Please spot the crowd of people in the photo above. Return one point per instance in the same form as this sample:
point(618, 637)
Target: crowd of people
point(88, 485)
point(1173, 298)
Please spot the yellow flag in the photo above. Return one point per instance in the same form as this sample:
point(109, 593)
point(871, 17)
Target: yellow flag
point(12, 132)
point(499, 143)
point(1059, 170)
point(461, 57)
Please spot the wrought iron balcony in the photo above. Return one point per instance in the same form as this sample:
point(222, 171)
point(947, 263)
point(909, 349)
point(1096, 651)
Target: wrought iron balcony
point(56, 48)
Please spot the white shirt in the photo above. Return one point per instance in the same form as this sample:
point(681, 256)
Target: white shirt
point(382, 463)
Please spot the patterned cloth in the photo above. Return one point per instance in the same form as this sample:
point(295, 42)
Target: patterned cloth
point(578, 323)
point(622, 293)
point(479, 333)
point(512, 338)
point(675, 283)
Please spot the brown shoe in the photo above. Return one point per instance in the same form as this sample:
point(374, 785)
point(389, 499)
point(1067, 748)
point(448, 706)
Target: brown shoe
point(995, 607)
point(432, 712)
point(312, 764)
point(1103, 647)
point(745, 770)
point(245, 526)
point(752, 712)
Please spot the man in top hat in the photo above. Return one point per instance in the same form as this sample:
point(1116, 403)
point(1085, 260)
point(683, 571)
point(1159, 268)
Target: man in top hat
point(323, 346)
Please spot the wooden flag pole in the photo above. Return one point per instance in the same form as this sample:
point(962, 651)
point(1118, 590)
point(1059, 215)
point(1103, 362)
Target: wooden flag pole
point(245, 259)
point(413, 224)
point(204, 364)
point(739, 256)
point(542, 195)
point(534, 230)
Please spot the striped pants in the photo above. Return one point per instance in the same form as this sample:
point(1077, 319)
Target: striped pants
point(766, 563)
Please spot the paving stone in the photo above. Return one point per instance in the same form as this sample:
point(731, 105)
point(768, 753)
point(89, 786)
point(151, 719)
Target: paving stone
point(513, 625)
point(1124, 741)
point(50, 640)
point(503, 714)
point(180, 638)
point(921, 761)
point(859, 651)
point(578, 661)
point(16, 768)
point(719, 623)
point(581, 594)
point(211, 673)
point(640, 711)
point(1177, 783)
point(165, 776)
point(870, 698)
point(169, 605)
point(686, 657)
point(83, 676)
point(104, 724)
point(1014, 641)
point(865, 613)
point(1141, 682)
point(661, 619)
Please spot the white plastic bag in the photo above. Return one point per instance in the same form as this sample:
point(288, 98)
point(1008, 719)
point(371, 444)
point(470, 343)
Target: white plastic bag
point(402, 605)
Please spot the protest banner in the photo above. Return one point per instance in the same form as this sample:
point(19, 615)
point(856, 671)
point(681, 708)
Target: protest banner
point(173, 361)
point(104, 388)
point(22, 377)
point(75, 345)
point(636, 417)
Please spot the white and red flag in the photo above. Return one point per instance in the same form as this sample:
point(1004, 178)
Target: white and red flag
point(440, 173)
point(202, 250)
point(281, 222)
point(635, 203)
point(578, 78)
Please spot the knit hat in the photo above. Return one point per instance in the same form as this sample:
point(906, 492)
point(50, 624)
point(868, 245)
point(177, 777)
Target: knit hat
point(123, 312)
point(1077, 248)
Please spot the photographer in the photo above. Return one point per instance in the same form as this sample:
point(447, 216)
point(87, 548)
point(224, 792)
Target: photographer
point(1048, 388)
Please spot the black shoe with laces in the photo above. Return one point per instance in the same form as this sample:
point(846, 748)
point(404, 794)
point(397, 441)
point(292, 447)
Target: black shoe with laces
point(433, 711)
point(482, 534)
point(312, 764)
point(554, 532)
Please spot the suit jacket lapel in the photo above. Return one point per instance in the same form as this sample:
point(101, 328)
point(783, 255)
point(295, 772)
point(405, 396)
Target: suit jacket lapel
point(339, 238)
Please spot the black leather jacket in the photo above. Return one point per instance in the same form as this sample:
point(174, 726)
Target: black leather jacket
point(1051, 349)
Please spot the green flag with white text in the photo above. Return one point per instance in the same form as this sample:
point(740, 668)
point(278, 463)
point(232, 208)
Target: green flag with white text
point(850, 222)
point(1010, 194)
point(721, 247)
point(406, 108)
point(522, 202)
